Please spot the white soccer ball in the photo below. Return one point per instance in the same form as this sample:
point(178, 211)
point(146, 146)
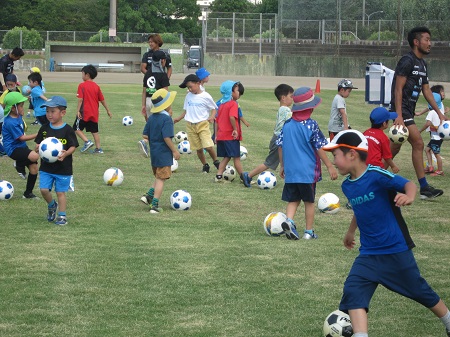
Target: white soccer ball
point(398, 134)
point(243, 152)
point(328, 203)
point(184, 147)
point(6, 190)
point(272, 223)
point(230, 173)
point(49, 149)
point(267, 180)
point(127, 120)
point(113, 176)
point(174, 166)
point(180, 136)
point(444, 130)
point(337, 324)
point(180, 200)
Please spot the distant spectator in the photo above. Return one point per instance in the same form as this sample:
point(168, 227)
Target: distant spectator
point(7, 63)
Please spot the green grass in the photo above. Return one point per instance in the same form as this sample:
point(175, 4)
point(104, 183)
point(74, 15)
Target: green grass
point(117, 270)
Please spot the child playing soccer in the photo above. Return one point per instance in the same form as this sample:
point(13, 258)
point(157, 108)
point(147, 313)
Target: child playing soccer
point(300, 150)
point(89, 94)
point(386, 256)
point(59, 174)
point(159, 132)
point(37, 97)
point(338, 114)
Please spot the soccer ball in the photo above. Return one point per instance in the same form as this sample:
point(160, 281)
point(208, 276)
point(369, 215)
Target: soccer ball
point(398, 134)
point(180, 136)
point(26, 90)
point(49, 149)
point(113, 176)
point(6, 190)
point(180, 200)
point(337, 324)
point(174, 166)
point(272, 223)
point(229, 174)
point(328, 203)
point(127, 120)
point(243, 152)
point(184, 147)
point(267, 180)
point(444, 130)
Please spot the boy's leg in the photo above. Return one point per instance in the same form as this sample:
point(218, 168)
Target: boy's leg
point(238, 165)
point(439, 162)
point(159, 186)
point(201, 156)
point(257, 170)
point(223, 164)
point(309, 215)
point(31, 180)
point(429, 167)
point(213, 155)
point(290, 230)
point(416, 141)
point(81, 135)
point(96, 137)
point(359, 321)
point(62, 201)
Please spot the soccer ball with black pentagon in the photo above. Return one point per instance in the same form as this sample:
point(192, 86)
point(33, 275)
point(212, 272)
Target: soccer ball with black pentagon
point(267, 180)
point(444, 130)
point(230, 173)
point(127, 120)
point(180, 136)
point(6, 190)
point(49, 149)
point(272, 223)
point(337, 324)
point(180, 200)
point(398, 134)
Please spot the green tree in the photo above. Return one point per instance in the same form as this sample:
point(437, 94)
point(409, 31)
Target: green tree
point(30, 39)
point(267, 6)
point(230, 6)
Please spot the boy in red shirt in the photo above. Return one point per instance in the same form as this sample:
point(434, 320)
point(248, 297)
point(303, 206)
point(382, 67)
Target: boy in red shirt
point(379, 145)
point(89, 94)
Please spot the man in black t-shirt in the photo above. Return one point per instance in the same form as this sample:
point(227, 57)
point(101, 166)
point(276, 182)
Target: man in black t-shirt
point(155, 42)
point(7, 64)
point(410, 79)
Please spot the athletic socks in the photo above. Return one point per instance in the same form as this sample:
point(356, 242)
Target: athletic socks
point(446, 320)
point(155, 202)
point(423, 182)
point(361, 334)
point(31, 181)
point(151, 192)
point(51, 203)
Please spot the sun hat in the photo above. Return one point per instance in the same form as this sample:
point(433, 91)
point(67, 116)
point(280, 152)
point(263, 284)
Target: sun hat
point(438, 99)
point(55, 101)
point(11, 99)
point(380, 115)
point(226, 89)
point(11, 78)
point(162, 99)
point(35, 70)
point(189, 78)
point(346, 84)
point(202, 73)
point(352, 139)
point(304, 103)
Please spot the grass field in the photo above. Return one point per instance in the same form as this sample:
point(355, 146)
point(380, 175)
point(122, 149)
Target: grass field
point(117, 270)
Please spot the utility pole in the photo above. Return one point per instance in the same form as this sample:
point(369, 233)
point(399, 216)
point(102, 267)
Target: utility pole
point(112, 20)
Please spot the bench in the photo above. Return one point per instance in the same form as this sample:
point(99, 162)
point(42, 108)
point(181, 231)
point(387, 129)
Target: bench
point(75, 65)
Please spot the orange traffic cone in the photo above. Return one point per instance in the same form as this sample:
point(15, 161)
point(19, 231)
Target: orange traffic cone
point(317, 91)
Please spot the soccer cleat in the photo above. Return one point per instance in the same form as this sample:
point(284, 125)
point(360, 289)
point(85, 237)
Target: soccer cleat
point(29, 196)
point(437, 173)
point(22, 175)
point(205, 168)
point(348, 205)
point(143, 148)
point(155, 210)
point(146, 199)
point(246, 179)
point(61, 220)
point(429, 192)
point(51, 215)
point(216, 163)
point(36, 122)
point(87, 145)
point(308, 236)
point(97, 151)
point(290, 230)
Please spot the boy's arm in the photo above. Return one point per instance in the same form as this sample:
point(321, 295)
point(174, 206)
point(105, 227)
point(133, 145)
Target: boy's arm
point(407, 198)
point(349, 238)
point(247, 124)
point(144, 102)
point(64, 153)
point(25, 137)
point(330, 167)
point(234, 133)
point(426, 125)
point(106, 107)
point(421, 112)
point(280, 156)
point(179, 118)
point(212, 116)
point(170, 144)
point(44, 98)
point(343, 113)
point(80, 101)
point(390, 163)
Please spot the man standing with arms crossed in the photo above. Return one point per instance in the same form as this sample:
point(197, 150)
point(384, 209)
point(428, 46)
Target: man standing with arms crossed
point(410, 78)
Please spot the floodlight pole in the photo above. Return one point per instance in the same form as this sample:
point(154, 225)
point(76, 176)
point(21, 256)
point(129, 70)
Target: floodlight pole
point(112, 20)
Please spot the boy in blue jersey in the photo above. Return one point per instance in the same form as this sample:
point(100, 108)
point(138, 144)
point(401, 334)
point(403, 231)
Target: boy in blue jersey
point(385, 258)
point(300, 151)
point(37, 97)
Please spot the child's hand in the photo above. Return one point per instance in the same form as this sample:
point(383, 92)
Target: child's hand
point(395, 169)
point(234, 134)
point(109, 113)
point(144, 111)
point(349, 240)
point(247, 124)
point(176, 155)
point(211, 120)
point(402, 199)
point(282, 172)
point(333, 172)
point(62, 155)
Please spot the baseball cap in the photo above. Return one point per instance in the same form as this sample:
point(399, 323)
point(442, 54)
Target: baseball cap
point(352, 139)
point(202, 73)
point(346, 84)
point(380, 115)
point(438, 99)
point(189, 78)
point(158, 55)
point(11, 78)
point(11, 99)
point(55, 101)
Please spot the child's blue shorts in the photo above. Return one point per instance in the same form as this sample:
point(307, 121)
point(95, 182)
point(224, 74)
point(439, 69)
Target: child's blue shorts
point(62, 182)
point(397, 272)
point(228, 148)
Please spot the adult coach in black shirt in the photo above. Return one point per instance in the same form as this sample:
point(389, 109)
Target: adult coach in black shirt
point(410, 79)
point(7, 64)
point(155, 42)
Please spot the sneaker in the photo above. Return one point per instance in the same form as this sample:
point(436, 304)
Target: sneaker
point(308, 236)
point(22, 175)
point(143, 148)
point(29, 196)
point(348, 205)
point(97, 151)
point(36, 122)
point(216, 163)
point(429, 169)
point(86, 146)
point(51, 215)
point(146, 199)
point(61, 220)
point(429, 192)
point(220, 180)
point(205, 168)
point(155, 210)
point(437, 173)
point(246, 179)
point(290, 230)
